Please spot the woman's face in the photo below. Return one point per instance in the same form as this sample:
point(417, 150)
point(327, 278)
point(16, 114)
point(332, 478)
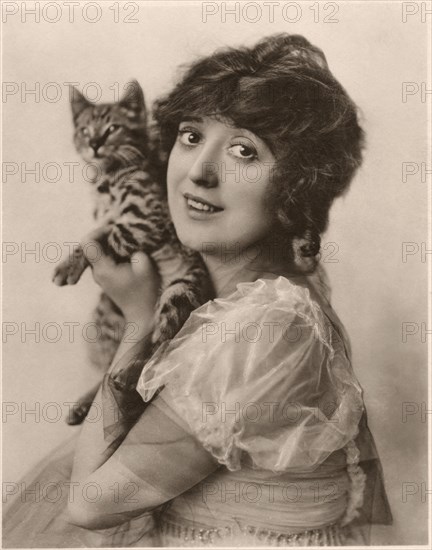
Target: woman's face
point(218, 177)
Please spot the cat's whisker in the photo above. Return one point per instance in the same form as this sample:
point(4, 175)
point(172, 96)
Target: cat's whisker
point(131, 153)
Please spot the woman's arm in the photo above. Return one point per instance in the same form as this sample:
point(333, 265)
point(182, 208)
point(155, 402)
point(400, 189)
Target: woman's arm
point(156, 462)
point(158, 459)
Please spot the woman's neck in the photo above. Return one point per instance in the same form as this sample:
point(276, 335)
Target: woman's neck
point(228, 269)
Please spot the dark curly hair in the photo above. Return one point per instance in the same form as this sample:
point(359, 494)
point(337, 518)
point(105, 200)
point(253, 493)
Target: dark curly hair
point(283, 91)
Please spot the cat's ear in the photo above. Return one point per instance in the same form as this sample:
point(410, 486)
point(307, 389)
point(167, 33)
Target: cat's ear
point(133, 98)
point(78, 101)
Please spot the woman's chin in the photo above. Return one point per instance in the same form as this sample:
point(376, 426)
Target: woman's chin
point(193, 242)
point(190, 234)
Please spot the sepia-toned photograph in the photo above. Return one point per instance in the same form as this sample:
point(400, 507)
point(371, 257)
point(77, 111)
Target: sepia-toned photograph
point(216, 274)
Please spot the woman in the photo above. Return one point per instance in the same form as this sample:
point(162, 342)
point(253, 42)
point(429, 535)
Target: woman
point(255, 432)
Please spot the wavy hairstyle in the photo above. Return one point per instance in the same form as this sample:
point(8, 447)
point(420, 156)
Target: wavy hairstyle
point(282, 90)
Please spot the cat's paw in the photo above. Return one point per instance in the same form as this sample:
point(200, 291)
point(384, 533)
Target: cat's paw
point(80, 409)
point(78, 413)
point(176, 304)
point(165, 329)
point(69, 271)
point(61, 273)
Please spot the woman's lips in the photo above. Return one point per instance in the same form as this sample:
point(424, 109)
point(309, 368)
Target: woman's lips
point(199, 205)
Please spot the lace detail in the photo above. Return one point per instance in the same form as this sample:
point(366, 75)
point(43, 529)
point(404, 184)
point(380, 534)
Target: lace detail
point(358, 483)
point(187, 535)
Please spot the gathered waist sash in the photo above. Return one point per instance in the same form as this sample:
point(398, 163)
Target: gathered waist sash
point(274, 502)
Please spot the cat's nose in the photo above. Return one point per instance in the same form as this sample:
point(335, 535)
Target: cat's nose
point(94, 144)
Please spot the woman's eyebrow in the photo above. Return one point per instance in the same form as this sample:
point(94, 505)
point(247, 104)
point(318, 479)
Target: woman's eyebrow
point(254, 137)
point(251, 134)
point(191, 118)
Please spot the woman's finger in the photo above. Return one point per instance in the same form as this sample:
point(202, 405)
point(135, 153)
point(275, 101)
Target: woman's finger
point(141, 264)
point(91, 246)
point(93, 252)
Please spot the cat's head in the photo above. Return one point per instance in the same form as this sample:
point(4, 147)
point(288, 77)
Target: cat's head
point(110, 134)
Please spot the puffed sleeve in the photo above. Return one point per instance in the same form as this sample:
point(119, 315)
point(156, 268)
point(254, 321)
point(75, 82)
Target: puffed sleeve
point(261, 377)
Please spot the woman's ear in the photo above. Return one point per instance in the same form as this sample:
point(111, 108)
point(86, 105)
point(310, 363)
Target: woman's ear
point(133, 98)
point(78, 102)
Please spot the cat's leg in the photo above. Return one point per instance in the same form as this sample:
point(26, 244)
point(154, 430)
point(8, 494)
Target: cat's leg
point(110, 325)
point(186, 286)
point(175, 305)
point(128, 236)
point(69, 271)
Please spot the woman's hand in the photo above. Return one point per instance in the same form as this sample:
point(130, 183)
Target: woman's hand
point(133, 286)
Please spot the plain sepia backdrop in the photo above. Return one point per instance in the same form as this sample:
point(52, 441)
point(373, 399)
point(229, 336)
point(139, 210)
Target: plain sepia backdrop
point(375, 250)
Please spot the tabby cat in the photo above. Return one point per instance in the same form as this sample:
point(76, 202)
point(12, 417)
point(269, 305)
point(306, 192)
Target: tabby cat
point(132, 215)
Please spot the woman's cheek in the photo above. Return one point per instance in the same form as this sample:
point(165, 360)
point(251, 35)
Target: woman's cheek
point(243, 228)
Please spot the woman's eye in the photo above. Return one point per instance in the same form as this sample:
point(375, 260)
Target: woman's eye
point(84, 131)
point(113, 128)
point(188, 137)
point(243, 152)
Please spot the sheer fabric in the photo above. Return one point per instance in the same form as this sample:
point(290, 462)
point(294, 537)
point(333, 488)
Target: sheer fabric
point(261, 373)
point(263, 380)
point(151, 460)
point(35, 514)
point(249, 429)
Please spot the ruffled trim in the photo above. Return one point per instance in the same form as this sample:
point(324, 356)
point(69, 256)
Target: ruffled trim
point(224, 447)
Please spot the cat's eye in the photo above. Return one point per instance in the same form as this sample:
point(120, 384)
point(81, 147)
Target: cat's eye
point(85, 131)
point(113, 128)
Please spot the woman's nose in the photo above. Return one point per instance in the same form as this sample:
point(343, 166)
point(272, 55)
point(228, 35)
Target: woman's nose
point(205, 168)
